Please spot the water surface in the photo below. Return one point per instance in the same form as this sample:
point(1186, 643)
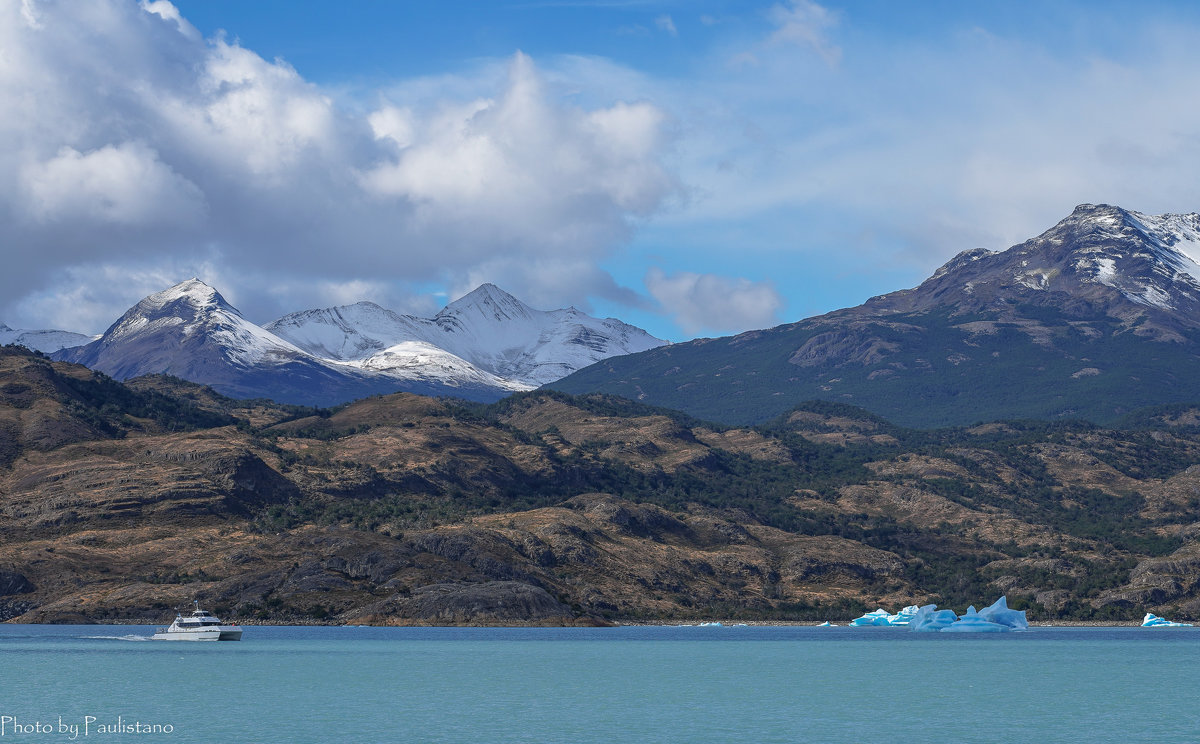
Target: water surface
point(644, 684)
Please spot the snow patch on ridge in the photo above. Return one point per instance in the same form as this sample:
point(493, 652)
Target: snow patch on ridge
point(419, 361)
point(1106, 270)
point(1177, 238)
point(46, 342)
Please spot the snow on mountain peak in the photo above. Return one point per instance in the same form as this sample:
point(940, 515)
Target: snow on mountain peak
point(1153, 260)
point(46, 342)
point(490, 303)
point(487, 328)
point(1177, 236)
point(192, 291)
point(349, 332)
point(192, 310)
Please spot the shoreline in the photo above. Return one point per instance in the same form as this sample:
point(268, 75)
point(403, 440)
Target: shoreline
point(612, 623)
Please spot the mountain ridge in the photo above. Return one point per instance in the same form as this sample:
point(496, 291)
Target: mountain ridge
point(331, 356)
point(45, 341)
point(487, 327)
point(1097, 316)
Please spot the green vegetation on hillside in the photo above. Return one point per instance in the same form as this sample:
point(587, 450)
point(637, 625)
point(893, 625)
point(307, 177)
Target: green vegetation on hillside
point(925, 371)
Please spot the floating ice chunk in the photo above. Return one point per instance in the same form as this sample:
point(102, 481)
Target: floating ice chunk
point(878, 617)
point(929, 619)
point(973, 622)
point(998, 612)
point(995, 618)
point(1154, 621)
point(903, 617)
point(826, 624)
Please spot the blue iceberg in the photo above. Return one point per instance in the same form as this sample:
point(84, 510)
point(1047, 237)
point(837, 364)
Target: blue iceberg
point(903, 617)
point(998, 612)
point(974, 622)
point(883, 618)
point(878, 617)
point(930, 619)
point(995, 618)
point(1154, 621)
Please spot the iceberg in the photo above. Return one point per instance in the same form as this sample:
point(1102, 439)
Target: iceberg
point(930, 619)
point(882, 618)
point(878, 617)
point(1154, 621)
point(903, 617)
point(998, 612)
point(973, 622)
point(995, 618)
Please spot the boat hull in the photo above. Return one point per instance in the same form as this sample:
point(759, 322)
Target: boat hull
point(222, 633)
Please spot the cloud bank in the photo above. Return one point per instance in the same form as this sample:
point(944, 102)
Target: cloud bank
point(836, 150)
point(131, 146)
point(703, 301)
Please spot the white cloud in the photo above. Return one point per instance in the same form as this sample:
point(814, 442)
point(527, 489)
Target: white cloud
point(898, 157)
point(394, 123)
point(714, 303)
point(29, 15)
point(167, 11)
point(665, 23)
point(521, 175)
point(124, 185)
point(126, 138)
point(805, 23)
point(90, 296)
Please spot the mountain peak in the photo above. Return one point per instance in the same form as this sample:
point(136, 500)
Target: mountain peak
point(192, 292)
point(489, 301)
point(486, 292)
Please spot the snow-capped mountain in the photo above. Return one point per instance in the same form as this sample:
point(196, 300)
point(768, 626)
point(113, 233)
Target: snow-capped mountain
point(183, 331)
point(488, 328)
point(46, 342)
point(1094, 318)
point(319, 357)
point(190, 331)
point(1118, 262)
point(347, 333)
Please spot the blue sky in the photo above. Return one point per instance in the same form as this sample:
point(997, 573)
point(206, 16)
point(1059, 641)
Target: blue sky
point(695, 168)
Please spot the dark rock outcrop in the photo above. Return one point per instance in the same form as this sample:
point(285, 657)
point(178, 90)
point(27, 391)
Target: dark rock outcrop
point(491, 603)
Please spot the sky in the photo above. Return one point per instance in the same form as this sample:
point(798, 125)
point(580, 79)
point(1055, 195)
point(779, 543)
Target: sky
point(693, 167)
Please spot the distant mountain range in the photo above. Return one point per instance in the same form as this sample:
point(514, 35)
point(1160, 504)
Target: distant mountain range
point(485, 345)
point(43, 341)
point(1096, 317)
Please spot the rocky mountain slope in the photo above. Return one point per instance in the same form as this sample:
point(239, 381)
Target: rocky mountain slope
point(1094, 318)
point(341, 354)
point(124, 500)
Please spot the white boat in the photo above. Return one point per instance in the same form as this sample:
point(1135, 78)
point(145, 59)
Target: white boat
point(200, 625)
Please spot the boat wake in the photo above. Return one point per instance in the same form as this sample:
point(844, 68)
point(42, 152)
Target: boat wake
point(119, 638)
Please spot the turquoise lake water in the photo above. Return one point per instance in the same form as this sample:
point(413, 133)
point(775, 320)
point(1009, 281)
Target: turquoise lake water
point(689, 684)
